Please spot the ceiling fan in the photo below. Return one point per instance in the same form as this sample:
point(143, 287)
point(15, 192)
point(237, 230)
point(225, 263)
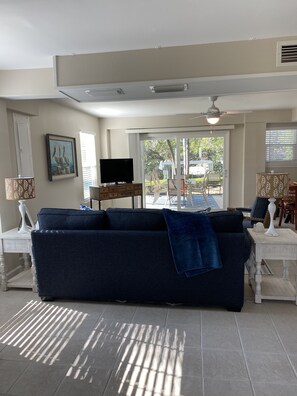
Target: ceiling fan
point(213, 113)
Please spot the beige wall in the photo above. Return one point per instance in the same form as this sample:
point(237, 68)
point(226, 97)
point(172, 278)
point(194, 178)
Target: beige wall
point(9, 215)
point(49, 118)
point(29, 83)
point(119, 147)
point(59, 120)
point(46, 117)
point(188, 61)
point(7, 209)
point(236, 166)
point(254, 158)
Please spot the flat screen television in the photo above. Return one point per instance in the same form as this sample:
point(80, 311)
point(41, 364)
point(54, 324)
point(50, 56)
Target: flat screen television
point(116, 170)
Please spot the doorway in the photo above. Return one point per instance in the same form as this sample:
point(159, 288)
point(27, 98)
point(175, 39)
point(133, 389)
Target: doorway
point(23, 145)
point(186, 171)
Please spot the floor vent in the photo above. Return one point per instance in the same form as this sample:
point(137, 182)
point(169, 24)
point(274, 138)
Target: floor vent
point(286, 53)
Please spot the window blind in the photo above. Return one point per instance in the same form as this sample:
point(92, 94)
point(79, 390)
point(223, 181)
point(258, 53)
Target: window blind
point(281, 145)
point(89, 162)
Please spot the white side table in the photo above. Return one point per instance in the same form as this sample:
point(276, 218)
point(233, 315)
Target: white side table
point(284, 248)
point(14, 242)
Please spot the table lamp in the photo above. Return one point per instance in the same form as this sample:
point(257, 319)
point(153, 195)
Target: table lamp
point(21, 188)
point(271, 185)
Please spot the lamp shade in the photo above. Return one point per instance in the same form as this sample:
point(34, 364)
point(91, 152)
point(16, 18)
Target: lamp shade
point(272, 185)
point(20, 188)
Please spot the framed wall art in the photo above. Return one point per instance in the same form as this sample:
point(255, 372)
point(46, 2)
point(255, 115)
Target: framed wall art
point(61, 157)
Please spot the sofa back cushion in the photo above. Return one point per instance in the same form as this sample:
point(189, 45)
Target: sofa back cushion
point(226, 221)
point(135, 219)
point(71, 219)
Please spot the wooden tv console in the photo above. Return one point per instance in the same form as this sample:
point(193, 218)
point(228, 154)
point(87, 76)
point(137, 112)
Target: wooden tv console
point(114, 191)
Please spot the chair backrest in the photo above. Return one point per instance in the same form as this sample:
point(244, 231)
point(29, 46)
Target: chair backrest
point(172, 185)
point(214, 177)
point(205, 178)
point(291, 194)
point(201, 185)
point(259, 207)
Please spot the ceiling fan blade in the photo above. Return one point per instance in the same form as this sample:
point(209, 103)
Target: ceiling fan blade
point(199, 116)
point(238, 112)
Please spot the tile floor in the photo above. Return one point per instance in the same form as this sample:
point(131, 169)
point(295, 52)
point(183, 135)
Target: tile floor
point(80, 348)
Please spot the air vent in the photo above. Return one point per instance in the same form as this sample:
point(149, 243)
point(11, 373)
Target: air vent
point(286, 53)
point(169, 88)
point(97, 93)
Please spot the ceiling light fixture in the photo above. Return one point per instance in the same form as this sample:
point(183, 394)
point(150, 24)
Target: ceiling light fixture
point(109, 112)
point(213, 119)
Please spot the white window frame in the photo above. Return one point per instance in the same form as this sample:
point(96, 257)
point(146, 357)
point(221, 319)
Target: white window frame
point(89, 176)
point(136, 136)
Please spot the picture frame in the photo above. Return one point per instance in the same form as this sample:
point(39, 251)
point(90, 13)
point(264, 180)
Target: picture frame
point(61, 157)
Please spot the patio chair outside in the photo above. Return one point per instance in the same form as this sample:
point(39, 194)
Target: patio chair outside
point(199, 188)
point(172, 189)
point(214, 180)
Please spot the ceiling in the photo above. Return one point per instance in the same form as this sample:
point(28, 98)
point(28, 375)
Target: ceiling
point(33, 31)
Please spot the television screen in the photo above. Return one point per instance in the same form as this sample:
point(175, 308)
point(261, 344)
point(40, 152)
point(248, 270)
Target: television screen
point(116, 170)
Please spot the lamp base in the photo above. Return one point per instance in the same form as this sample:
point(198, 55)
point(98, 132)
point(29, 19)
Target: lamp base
point(271, 209)
point(24, 229)
point(272, 232)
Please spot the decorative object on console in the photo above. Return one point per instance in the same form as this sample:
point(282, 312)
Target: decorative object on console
point(21, 188)
point(271, 185)
point(61, 157)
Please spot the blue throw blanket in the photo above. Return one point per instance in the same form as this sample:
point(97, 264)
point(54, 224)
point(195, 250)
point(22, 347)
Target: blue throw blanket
point(193, 242)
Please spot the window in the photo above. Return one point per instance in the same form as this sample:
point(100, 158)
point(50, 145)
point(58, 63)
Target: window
point(88, 159)
point(281, 146)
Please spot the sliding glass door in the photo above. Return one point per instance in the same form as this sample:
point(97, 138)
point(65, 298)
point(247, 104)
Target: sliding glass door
point(186, 171)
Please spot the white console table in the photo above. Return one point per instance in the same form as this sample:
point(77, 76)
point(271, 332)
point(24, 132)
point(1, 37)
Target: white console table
point(14, 242)
point(284, 248)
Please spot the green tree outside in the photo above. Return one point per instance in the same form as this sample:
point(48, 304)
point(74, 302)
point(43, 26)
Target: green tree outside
point(157, 151)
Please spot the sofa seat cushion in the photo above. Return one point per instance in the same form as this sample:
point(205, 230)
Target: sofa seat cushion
point(71, 219)
point(135, 219)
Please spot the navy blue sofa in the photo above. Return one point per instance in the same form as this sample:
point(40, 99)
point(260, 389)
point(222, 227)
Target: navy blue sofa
point(125, 255)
